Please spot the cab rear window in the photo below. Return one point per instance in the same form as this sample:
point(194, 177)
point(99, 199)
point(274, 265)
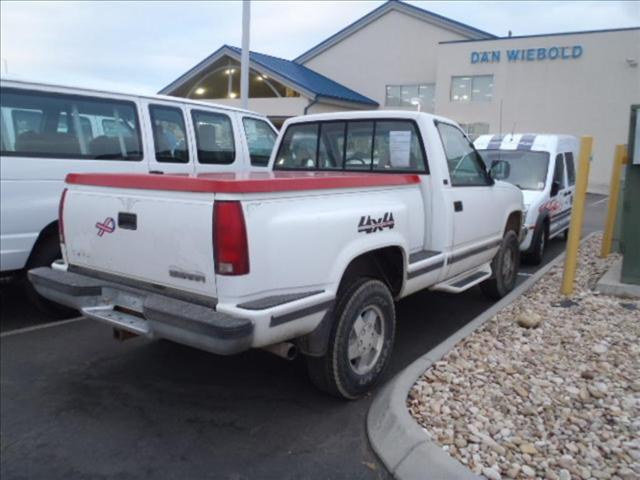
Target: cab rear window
point(52, 125)
point(381, 145)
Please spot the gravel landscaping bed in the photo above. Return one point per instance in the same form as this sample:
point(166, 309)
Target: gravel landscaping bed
point(548, 388)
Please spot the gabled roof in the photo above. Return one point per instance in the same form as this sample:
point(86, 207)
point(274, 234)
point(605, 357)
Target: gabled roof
point(287, 72)
point(399, 6)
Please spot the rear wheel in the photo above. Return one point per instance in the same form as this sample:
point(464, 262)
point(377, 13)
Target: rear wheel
point(360, 343)
point(504, 268)
point(47, 252)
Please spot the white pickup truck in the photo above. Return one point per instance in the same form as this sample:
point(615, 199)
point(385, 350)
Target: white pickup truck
point(361, 209)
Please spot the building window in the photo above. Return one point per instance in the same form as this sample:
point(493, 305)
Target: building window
point(476, 88)
point(411, 95)
point(474, 130)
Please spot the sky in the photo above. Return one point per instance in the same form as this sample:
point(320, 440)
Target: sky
point(140, 47)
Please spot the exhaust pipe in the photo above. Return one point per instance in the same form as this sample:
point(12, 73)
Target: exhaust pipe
point(286, 350)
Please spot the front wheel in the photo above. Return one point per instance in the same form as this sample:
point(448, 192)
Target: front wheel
point(504, 268)
point(360, 343)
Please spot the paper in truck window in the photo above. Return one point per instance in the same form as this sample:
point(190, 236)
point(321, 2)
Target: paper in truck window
point(399, 148)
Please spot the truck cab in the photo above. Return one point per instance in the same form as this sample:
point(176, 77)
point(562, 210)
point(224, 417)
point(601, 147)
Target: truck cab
point(543, 167)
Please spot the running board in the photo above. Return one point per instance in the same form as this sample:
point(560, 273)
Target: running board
point(463, 282)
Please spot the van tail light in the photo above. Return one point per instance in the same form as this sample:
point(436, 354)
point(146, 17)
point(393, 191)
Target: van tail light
point(60, 212)
point(230, 247)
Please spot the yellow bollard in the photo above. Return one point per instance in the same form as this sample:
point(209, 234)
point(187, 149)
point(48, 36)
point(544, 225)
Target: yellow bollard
point(620, 158)
point(577, 214)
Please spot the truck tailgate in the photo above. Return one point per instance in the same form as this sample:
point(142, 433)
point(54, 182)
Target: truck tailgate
point(164, 238)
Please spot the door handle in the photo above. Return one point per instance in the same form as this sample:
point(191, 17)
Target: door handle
point(457, 206)
point(127, 221)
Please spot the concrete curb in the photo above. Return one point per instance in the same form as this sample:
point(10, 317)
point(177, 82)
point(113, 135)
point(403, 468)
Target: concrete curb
point(404, 447)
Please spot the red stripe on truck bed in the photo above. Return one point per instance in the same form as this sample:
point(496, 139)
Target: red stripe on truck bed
point(246, 182)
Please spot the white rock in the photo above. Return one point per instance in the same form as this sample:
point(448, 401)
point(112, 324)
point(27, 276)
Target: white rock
point(492, 473)
point(528, 471)
point(600, 348)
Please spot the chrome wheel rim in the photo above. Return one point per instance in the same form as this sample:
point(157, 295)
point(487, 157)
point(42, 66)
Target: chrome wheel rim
point(366, 339)
point(542, 243)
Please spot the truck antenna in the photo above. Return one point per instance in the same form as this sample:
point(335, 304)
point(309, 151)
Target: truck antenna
point(513, 129)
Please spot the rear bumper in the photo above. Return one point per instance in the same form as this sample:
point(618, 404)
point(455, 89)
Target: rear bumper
point(145, 313)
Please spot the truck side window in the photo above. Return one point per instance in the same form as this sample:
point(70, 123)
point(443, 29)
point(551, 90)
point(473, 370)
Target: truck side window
point(214, 137)
point(169, 134)
point(299, 147)
point(397, 147)
point(260, 139)
point(571, 168)
point(465, 166)
point(558, 173)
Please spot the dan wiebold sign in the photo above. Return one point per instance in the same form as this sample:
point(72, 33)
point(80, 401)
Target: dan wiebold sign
point(527, 54)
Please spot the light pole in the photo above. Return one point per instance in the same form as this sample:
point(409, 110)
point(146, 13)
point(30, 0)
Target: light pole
point(244, 58)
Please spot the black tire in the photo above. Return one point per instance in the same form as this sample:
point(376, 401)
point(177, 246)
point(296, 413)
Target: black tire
point(334, 373)
point(46, 252)
point(540, 240)
point(504, 275)
point(565, 235)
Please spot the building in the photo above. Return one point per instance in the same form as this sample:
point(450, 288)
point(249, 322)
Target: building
point(402, 57)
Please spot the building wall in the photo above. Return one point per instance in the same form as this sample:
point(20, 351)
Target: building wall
point(588, 95)
point(276, 106)
point(396, 49)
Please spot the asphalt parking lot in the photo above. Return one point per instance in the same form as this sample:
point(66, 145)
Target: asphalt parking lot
point(77, 404)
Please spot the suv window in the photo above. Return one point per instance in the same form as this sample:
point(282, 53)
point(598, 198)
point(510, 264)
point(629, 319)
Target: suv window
point(571, 168)
point(465, 166)
point(169, 134)
point(52, 125)
point(214, 137)
point(558, 173)
point(260, 138)
point(369, 145)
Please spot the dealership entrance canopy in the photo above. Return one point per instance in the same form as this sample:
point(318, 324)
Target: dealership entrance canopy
point(402, 57)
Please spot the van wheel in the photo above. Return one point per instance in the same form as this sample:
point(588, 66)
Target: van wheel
point(45, 254)
point(504, 268)
point(540, 240)
point(360, 342)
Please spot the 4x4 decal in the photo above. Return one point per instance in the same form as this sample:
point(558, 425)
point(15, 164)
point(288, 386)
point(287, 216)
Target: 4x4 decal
point(371, 225)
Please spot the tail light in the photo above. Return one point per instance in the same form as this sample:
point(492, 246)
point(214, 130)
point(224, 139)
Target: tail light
point(60, 212)
point(230, 245)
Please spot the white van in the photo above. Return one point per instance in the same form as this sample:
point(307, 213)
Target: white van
point(49, 131)
point(543, 167)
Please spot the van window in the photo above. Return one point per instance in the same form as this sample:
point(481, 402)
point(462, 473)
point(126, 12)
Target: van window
point(571, 168)
point(52, 125)
point(465, 166)
point(214, 137)
point(169, 134)
point(558, 173)
point(260, 138)
point(360, 145)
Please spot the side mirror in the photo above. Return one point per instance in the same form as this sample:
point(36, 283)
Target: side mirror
point(500, 169)
point(555, 188)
